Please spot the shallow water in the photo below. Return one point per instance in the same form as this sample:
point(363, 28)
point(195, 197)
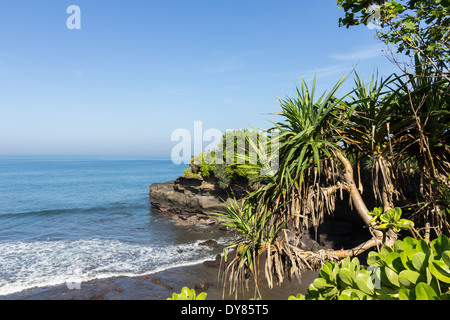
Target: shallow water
point(68, 221)
point(161, 285)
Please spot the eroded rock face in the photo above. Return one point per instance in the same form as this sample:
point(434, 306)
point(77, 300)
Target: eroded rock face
point(189, 200)
point(193, 195)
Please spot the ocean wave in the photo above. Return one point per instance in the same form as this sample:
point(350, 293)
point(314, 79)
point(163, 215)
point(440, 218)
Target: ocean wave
point(27, 265)
point(113, 208)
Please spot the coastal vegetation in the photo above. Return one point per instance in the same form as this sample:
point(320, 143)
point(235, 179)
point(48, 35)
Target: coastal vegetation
point(234, 160)
point(409, 270)
point(389, 133)
point(188, 294)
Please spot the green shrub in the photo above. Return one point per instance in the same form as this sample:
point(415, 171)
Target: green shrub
point(188, 294)
point(188, 173)
point(241, 168)
point(221, 174)
point(206, 169)
point(410, 270)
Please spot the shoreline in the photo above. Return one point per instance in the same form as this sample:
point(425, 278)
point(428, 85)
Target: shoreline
point(161, 285)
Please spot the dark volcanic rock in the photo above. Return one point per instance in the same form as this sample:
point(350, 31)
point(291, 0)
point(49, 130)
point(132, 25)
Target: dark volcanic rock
point(213, 263)
point(159, 281)
point(208, 243)
point(203, 286)
point(193, 195)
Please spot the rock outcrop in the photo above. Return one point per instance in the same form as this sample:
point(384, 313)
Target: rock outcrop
point(189, 200)
point(194, 195)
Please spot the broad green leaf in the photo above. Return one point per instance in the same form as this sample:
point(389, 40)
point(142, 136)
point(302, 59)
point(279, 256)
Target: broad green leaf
point(385, 250)
point(398, 246)
point(345, 263)
point(327, 272)
point(404, 294)
point(418, 260)
point(446, 257)
point(439, 245)
point(364, 283)
point(299, 296)
point(384, 226)
point(397, 265)
point(405, 224)
point(424, 292)
point(354, 294)
point(440, 270)
point(375, 259)
point(332, 293)
point(422, 246)
point(397, 213)
point(389, 259)
point(408, 278)
point(345, 276)
point(188, 294)
point(321, 283)
point(354, 264)
point(405, 257)
point(408, 246)
point(202, 296)
point(390, 277)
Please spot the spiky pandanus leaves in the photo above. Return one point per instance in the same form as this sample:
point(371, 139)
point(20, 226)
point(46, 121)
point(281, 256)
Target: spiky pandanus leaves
point(423, 139)
point(309, 135)
point(318, 140)
point(369, 133)
point(402, 125)
point(300, 194)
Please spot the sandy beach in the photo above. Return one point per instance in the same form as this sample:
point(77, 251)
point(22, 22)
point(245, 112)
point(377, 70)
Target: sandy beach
point(161, 285)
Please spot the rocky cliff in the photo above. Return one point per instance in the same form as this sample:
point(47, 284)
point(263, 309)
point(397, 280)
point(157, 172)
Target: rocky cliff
point(194, 195)
point(190, 199)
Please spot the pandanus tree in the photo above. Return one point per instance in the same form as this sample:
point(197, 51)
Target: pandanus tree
point(397, 128)
point(314, 167)
point(322, 144)
point(424, 140)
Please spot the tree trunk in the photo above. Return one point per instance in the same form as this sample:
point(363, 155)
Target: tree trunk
point(361, 209)
point(357, 200)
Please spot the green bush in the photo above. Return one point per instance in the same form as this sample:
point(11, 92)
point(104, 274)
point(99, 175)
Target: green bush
point(241, 168)
point(206, 169)
point(188, 173)
point(188, 294)
point(220, 172)
point(410, 270)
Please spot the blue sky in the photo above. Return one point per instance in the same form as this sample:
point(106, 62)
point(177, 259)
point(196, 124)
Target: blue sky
point(138, 70)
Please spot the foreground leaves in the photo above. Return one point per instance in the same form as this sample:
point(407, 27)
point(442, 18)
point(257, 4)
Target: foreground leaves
point(188, 294)
point(410, 270)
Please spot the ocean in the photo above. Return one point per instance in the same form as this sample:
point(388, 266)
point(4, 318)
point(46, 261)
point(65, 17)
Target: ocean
point(67, 221)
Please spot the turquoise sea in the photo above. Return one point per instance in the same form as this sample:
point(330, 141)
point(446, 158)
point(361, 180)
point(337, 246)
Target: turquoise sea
point(70, 220)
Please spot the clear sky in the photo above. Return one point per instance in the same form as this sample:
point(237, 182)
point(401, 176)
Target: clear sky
point(139, 69)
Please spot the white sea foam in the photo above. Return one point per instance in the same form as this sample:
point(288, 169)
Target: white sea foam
point(26, 265)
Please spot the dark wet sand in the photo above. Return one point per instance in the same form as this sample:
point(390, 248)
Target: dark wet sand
point(161, 285)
